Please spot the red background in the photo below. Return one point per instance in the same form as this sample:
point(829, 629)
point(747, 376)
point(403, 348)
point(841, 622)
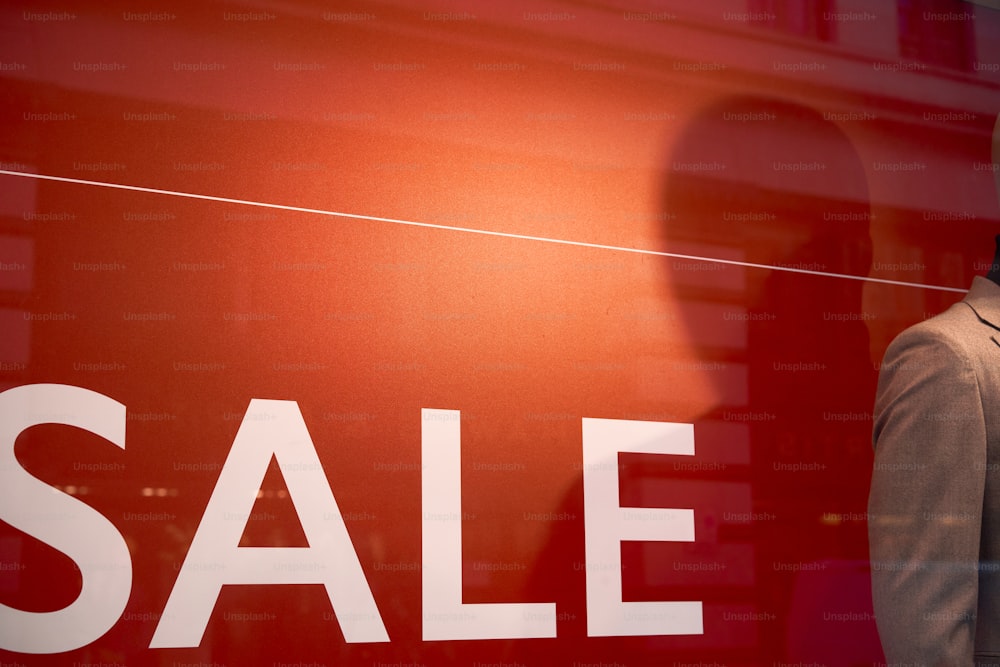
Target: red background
point(590, 123)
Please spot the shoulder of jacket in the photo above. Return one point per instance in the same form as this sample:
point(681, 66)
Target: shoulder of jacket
point(954, 331)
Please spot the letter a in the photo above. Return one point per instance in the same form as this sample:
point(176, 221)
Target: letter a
point(269, 428)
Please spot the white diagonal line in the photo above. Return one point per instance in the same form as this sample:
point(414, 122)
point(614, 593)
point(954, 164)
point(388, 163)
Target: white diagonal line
point(472, 230)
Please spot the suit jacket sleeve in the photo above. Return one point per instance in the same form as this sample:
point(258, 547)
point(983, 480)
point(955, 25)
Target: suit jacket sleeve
point(925, 507)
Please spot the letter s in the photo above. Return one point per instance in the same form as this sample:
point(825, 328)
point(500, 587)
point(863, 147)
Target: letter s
point(62, 521)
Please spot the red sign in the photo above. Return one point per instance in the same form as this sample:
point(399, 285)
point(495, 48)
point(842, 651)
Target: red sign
point(508, 335)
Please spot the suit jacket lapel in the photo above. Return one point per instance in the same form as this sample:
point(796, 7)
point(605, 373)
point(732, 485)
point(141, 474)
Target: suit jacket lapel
point(984, 299)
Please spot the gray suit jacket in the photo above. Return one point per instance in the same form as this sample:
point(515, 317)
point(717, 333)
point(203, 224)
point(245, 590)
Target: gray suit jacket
point(934, 508)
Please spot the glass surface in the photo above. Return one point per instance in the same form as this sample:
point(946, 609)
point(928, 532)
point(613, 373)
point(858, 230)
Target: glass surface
point(530, 215)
